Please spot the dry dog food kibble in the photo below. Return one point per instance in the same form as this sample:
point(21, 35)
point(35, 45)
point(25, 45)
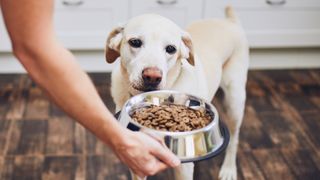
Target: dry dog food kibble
point(171, 118)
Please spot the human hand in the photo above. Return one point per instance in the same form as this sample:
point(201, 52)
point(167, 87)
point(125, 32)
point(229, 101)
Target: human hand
point(144, 155)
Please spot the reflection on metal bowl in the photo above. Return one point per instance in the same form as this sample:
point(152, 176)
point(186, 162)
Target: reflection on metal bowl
point(189, 146)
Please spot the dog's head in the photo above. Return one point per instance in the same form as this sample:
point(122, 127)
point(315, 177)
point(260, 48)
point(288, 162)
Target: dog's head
point(150, 47)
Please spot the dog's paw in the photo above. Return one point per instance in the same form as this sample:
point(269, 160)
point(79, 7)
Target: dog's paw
point(228, 172)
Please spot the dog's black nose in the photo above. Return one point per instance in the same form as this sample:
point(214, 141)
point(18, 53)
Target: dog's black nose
point(152, 77)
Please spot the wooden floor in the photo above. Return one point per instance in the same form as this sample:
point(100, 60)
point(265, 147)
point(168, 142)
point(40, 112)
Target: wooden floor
point(280, 136)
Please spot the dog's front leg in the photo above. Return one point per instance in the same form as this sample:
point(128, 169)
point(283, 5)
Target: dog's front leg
point(235, 96)
point(184, 171)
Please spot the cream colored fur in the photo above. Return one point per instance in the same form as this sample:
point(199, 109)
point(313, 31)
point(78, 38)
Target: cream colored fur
point(210, 53)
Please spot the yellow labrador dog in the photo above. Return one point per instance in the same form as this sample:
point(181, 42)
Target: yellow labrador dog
point(154, 53)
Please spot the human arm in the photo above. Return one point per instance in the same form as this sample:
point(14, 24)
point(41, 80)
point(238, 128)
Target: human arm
point(55, 70)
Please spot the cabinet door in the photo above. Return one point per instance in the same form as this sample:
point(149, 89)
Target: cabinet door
point(85, 24)
point(274, 23)
point(81, 24)
point(181, 12)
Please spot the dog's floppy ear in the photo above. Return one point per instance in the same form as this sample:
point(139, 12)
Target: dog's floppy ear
point(187, 48)
point(112, 51)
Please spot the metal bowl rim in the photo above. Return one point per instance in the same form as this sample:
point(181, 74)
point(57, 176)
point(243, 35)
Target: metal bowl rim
point(213, 123)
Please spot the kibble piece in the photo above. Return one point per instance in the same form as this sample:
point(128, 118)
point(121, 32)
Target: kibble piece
point(185, 119)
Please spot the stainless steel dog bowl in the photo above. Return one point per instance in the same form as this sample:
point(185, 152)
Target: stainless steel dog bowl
point(189, 146)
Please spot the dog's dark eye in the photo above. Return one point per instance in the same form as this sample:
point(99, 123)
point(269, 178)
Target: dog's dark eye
point(171, 49)
point(136, 43)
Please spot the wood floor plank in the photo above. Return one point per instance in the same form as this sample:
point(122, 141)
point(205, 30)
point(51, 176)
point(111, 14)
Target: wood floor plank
point(254, 89)
point(100, 78)
point(310, 90)
point(316, 101)
point(79, 139)
point(209, 169)
point(249, 167)
point(289, 112)
point(279, 138)
point(104, 92)
point(6, 167)
point(257, 138)
point(28, 138)
point(272, 164)
point(17, 99)
point(315, 73)
point(33, 139)
point(294, 115)
point(60, 136)
point(6, 79)
point(250, 121)
point(101, 167)
point(27, 167)
point(279, 130)
point(312, 121)
point(263, 104)
point(278, 76)
point(5, 94)
point(289, 89)
point(37, 106)
point(14, 137)
point(315, 155)
point(55, 111)
point(302, 77)
point(301, 163)
point(302, 104)
point(95, 167)
point(59, 167)
point(80, 170)
point(4, 135)
point(167, 174)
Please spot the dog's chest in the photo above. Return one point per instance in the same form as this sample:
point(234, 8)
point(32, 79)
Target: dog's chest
point(192, 81)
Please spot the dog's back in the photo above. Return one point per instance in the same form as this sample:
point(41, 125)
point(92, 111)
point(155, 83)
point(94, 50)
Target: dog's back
point(215, 41)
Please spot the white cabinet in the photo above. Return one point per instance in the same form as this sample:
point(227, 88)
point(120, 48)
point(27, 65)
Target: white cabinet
point(85, 24)
point(181, 12)
point(274, 23)
point(81, 24)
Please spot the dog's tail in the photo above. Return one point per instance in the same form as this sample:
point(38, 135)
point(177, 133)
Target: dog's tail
point(230, 14)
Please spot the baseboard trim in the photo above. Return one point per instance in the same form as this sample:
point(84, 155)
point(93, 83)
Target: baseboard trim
point(299, 58)
point(93, 61)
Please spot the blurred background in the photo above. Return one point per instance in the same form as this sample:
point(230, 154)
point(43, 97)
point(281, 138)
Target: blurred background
point(280, 137)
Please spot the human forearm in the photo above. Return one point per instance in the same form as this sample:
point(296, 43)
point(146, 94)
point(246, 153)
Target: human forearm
point(56, 71)
point(30, 26)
